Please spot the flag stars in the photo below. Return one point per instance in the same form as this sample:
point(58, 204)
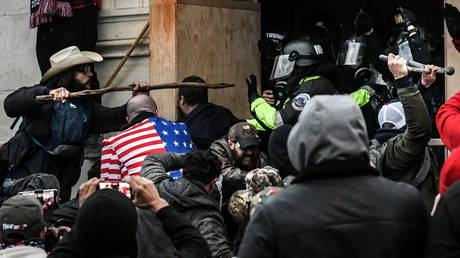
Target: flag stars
point(191, 145)
point(176, 144)
point(164, 132)
point(185, 132)
point(185, 144)
point(176, 132)
point(166, 144)
point(163, 122)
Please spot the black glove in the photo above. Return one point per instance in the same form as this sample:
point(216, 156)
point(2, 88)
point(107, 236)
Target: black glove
point(251, 81)
point(452, 17)
point(363, 23)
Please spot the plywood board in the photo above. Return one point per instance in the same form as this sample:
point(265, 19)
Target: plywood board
point(163, 54)
point(217, 43)
point(220, 45)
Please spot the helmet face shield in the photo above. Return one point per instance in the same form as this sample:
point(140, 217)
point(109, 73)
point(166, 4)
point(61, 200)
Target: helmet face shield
point(301, 52)
point(352, 53)
point(282, 67)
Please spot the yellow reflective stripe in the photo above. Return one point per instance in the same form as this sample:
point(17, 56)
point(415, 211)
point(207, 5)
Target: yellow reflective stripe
point(306, 79)
point(361, 97)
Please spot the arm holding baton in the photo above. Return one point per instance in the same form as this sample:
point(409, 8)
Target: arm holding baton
point(417, 67)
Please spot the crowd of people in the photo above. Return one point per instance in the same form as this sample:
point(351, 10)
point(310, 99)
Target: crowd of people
point(334, 162)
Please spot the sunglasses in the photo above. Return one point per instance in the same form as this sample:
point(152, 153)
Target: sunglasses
point(86, 68)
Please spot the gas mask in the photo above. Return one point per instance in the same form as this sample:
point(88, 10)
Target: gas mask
point(280, 93)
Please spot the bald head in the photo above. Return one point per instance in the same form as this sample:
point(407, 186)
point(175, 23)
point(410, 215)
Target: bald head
point(140, 103)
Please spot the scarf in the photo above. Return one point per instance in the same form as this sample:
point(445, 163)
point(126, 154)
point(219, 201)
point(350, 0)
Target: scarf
point(41, 11)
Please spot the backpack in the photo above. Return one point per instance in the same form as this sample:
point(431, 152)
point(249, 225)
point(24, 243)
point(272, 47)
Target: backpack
point(68, 129)
point(68, 122)
point(429, 164)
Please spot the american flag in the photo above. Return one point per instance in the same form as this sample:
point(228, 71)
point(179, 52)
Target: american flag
point(123, 154)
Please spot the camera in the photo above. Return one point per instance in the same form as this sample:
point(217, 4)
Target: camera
point(121, 187)
point(48, 197)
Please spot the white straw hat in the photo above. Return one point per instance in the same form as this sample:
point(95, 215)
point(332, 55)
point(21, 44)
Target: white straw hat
point(68, 58)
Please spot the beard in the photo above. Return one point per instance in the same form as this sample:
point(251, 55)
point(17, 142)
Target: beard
point(76, 85)
point(247, 162)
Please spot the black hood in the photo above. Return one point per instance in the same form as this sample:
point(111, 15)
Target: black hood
point(384, 134)
point(106, 226)
point(331, 129)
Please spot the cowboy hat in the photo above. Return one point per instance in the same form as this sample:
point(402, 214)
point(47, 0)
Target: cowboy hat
point(68, 58)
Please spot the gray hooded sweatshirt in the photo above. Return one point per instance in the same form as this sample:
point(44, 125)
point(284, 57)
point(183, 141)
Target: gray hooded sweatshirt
point(330, 128)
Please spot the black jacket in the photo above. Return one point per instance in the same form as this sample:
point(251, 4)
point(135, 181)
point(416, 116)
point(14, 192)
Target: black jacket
point(207, 123)
point(343, 211)
point(443, 238)
point(20, 156)
point(165, 234)
point(189, 199)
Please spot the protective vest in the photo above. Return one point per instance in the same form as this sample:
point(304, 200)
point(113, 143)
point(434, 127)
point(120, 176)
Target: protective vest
point(267, 117)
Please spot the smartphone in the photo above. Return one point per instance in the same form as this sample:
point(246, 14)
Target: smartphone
point(121, 187)
point(48, 197)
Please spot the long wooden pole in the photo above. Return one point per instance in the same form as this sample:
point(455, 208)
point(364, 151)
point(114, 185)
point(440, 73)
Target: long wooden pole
point(150, 87)
point(128, 53)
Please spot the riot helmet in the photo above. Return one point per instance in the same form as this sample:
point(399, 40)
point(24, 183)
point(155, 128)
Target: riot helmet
point(301, 52)
point(404, 17)
point(326, 31)
point(271, 44)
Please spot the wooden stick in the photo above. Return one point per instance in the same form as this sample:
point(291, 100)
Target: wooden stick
point(150, 87)
point(130, 50)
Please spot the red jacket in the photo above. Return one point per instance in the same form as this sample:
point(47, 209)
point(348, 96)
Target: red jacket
point(448, 122)
point(450, 172)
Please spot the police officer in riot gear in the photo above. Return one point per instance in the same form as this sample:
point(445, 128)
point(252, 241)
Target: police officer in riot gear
point(366, 84)
point(411, 42)
point(301, 72)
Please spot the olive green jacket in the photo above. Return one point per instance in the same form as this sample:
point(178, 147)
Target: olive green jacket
point(403, 156)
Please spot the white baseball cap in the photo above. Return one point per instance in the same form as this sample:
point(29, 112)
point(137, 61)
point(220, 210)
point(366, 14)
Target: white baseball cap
point(392, 113)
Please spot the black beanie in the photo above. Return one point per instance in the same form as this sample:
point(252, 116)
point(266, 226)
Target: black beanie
point(106, 226)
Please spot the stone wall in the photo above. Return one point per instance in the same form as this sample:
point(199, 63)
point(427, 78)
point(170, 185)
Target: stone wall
point(119, 23)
